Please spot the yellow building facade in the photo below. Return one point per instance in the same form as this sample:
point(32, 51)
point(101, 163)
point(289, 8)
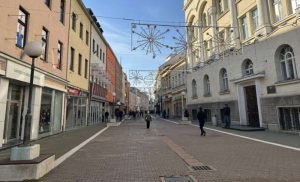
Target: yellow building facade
point(78, 65)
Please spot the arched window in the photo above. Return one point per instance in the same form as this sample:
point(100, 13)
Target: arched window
point(194, 88)
point(249, 67)
point(287, 63)
point(224, 80)
point(204, 20)
point(206, 85)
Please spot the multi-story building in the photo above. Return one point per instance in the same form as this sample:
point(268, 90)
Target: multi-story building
point(111, 60)
point(258, 76)
point(119, 87)
point(78, 65)
point(98, 92)
point(127, 95)
point(23, 22)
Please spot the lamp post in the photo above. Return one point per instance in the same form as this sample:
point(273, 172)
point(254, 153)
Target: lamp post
point(182, 93)
point(33, 50)
point(113, 94)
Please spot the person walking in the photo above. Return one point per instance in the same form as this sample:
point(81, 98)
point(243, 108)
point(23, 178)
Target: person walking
point(201, 116)
point(226, 112)
point(186, 114)
point(121, 115)
point(148, 119)
point(106, 116)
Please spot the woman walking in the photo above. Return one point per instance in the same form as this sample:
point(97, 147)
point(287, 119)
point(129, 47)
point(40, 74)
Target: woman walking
point(148, 119)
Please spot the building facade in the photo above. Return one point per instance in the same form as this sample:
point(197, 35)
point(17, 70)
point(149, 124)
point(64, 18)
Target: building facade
point(78, 66)
point(111, 88)
point(23, 24)
point(258, 79)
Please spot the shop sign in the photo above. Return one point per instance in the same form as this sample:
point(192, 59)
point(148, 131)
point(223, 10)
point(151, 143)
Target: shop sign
point(177, 98)
point(73, 91)
point(22, 73)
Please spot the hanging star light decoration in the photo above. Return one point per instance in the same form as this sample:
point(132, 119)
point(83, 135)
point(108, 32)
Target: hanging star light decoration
point(150, 40)
point(136, 77)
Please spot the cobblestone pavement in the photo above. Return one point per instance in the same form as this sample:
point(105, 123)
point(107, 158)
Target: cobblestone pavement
point(132, 153)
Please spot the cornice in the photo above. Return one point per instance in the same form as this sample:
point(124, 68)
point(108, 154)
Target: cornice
point(187, 5)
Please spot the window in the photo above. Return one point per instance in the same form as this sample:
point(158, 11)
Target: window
point(74, 21)
point(86, 68)
point(245, 28)
point(176, 81)
point(294, 4)
point(79, 64)
point(277, 10)
point(93, 46)
point(103, 57)
point(59, 48)
point(224, 80)
point(289, 118)
point(255, 19)
point(62, 11)
point(97, 50)
point(206, 85)
point(208, 114)
point(204, 20)
point(227, 4)
point(179, 79)
point(194, 88)
point(249, 68)
point(81, 31)
point(287, 63)
point(47, 2)
point(87, 35)
point(72, 59)
point(44, 44)
point(220, 7)
point(21, 29)
point(173, 82)
point(182, 77)
point(100, 53)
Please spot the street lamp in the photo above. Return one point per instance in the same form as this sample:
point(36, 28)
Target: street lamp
point(113, 94)
point(33, 50)
point(182, 93)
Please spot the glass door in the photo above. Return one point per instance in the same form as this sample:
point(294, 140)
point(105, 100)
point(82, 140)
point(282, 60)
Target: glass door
point(13, 114)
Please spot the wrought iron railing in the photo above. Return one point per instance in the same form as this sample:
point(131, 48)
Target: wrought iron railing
point(289, 118)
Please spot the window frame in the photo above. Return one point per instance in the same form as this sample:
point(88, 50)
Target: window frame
point(81, 31)
point(86, 68)
point(245, 28)
point(220, 5)
point(24, 24)
point(255, 19)
point(62, 11)
point(79, 63)
point(100, 53)
point(45, 40)
point(97, 50)
point(297, 3)
point(286, 70)
point(47, 3)
point(249, 68)
point(207, 85)
point(59, 50)
point(87, 36)
point(225, 80)
point(194, 88)
point(72, 55)
point(277, 5)
point(73, 21)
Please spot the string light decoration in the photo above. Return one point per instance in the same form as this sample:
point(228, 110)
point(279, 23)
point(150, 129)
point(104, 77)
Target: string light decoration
point(142, 77)
point(150, 39)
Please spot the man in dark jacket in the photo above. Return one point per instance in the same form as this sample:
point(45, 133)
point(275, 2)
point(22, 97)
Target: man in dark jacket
point(226, 112)
point(121, 115)
point(106, 116)
point(201, 116)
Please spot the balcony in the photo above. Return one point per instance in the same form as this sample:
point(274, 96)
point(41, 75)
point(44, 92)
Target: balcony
point(179, 88)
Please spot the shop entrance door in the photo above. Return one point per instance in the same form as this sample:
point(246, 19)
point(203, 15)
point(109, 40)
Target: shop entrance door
point(13, 120)
point(253, 117)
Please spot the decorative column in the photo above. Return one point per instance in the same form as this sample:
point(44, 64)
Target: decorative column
point(200, 39)
point(234, 23)
point(213, 12)
point(263, 18)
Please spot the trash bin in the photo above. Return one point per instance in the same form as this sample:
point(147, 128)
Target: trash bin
point(214, 120)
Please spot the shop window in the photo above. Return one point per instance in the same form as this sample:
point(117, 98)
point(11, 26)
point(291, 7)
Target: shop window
point(44, 44)
point(287, 63)
point(59, 52)
point(277, 6)
point(62, 11)
point(289, 118)
point(72, 59)
point(81, 31)
point(79, 64)
point(21, 28)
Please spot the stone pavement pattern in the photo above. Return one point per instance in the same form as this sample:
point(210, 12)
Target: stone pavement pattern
point(134, 154)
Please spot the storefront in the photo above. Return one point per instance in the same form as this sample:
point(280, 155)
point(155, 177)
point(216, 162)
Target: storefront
point(98, 96)
point(76, 114)
point(51, 112)
point(177, 105)
point(14, 91)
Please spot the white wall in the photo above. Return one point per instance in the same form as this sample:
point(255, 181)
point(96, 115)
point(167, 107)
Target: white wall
point(3, 101)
